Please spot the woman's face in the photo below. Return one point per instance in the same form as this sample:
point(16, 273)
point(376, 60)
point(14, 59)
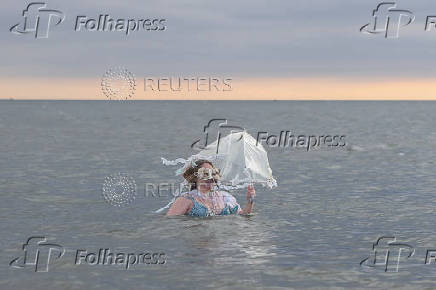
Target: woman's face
point(205, 185)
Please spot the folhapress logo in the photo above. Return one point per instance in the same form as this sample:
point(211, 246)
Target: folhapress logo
point(38, 19)
point(39, 254)
point(387, 253)
point(388, 20)
point(215, 126)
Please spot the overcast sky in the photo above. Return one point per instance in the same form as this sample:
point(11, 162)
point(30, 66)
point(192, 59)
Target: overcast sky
point(269, 38)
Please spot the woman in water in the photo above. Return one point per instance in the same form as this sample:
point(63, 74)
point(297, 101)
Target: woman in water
point(203, 200)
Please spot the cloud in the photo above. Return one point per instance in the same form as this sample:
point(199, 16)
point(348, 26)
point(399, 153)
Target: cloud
point(270, 38)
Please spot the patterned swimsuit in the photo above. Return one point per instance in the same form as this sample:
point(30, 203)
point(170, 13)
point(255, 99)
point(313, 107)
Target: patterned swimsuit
point(200, 210)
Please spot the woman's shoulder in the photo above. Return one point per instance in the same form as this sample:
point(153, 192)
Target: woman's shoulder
point(188, 194)
point(181, 205)
point(185, 199)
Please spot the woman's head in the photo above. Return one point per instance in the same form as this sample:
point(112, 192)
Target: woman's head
point(202, 176)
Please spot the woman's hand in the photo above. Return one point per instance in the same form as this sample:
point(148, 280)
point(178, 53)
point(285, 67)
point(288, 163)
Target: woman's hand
point(251, 193)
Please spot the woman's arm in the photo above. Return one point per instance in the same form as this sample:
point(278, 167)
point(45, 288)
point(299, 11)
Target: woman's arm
point(248, 208)
point(180, 206)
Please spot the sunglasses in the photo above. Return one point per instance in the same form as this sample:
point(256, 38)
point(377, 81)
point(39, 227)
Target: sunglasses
point(207, 173)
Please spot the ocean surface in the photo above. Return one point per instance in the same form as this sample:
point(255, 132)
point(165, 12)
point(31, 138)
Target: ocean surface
point(312, 231)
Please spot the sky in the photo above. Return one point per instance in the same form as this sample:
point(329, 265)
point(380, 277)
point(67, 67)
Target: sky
point(271, 49)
